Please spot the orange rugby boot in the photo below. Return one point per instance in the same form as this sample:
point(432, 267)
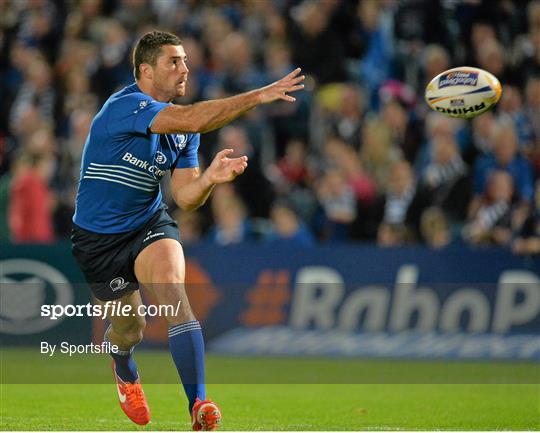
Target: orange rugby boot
point(132, 399)
point(205, 415)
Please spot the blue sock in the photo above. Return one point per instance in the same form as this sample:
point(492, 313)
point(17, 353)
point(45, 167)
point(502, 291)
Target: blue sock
point(125, 366)
point(187, 349)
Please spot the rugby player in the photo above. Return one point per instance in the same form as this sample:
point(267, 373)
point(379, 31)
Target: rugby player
point(123, 237)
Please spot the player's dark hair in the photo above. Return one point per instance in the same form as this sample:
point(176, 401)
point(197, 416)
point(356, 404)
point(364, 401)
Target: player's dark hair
point(148, 48)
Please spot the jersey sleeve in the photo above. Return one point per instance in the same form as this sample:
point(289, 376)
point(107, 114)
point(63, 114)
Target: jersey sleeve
point(133, 113)
point(188, 157)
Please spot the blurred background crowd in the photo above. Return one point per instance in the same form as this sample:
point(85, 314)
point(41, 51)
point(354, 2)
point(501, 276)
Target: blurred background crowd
point(358, 158)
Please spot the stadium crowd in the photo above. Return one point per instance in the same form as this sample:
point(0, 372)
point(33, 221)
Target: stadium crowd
point(358, 157)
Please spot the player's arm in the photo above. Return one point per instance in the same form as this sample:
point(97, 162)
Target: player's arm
point(209, 115)
point(191, 189)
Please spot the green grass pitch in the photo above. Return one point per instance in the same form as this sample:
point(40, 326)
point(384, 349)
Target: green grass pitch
point(274, 394)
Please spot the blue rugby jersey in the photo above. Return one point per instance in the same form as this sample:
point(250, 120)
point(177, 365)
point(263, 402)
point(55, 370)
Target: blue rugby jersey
point(123, 162)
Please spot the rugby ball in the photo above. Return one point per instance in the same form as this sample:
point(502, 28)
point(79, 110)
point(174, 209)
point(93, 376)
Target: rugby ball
point(463, 92)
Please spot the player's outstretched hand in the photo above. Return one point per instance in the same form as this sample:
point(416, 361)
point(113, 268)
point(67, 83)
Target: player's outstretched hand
point(224, 169)
point(279, 89)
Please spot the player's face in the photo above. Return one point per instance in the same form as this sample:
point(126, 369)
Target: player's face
point(171, 71)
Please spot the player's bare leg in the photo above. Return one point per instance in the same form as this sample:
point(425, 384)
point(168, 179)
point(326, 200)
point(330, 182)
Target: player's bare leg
point(125, 332)
point(160, 267)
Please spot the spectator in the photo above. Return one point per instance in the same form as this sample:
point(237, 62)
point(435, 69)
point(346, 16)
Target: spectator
point(482, 33)
point(528, 236)
point(400, 204)
point(511, 108)
point(445, 178)
point(253, 187)
point(41, 141)
point(407, 131)
point(191, 224)
point(5, 185)
point(434, 228)
point(231, 223)
point(377, 152)
point(347, 122)
point(435, 60)
point(505, 156)
point(36, 91)
point(338, 206)
point(214, 29)
point(115, 69)
point(81, 21)
point(27, 123)
point(348, 163)
point(491, 57)
point(80, 56)
point(309, 36)
point(526, 47)
point(239, 73)
point(38, 27)
point(288, 228)
point(19, 60)
point(375, 63)
point(490, 224)
point(532, 98)
point(288, 121)
point(392, 235)
point(262, 23)
point(31, 202)
point(415, 25)
point(66, 179)
point(400, 193)
point(291, 170)
point(437, 125)
point(134, 13)
point(292, 179)
point(77, 92)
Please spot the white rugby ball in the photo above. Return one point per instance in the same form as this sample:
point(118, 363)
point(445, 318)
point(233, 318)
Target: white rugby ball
point(463, 92)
